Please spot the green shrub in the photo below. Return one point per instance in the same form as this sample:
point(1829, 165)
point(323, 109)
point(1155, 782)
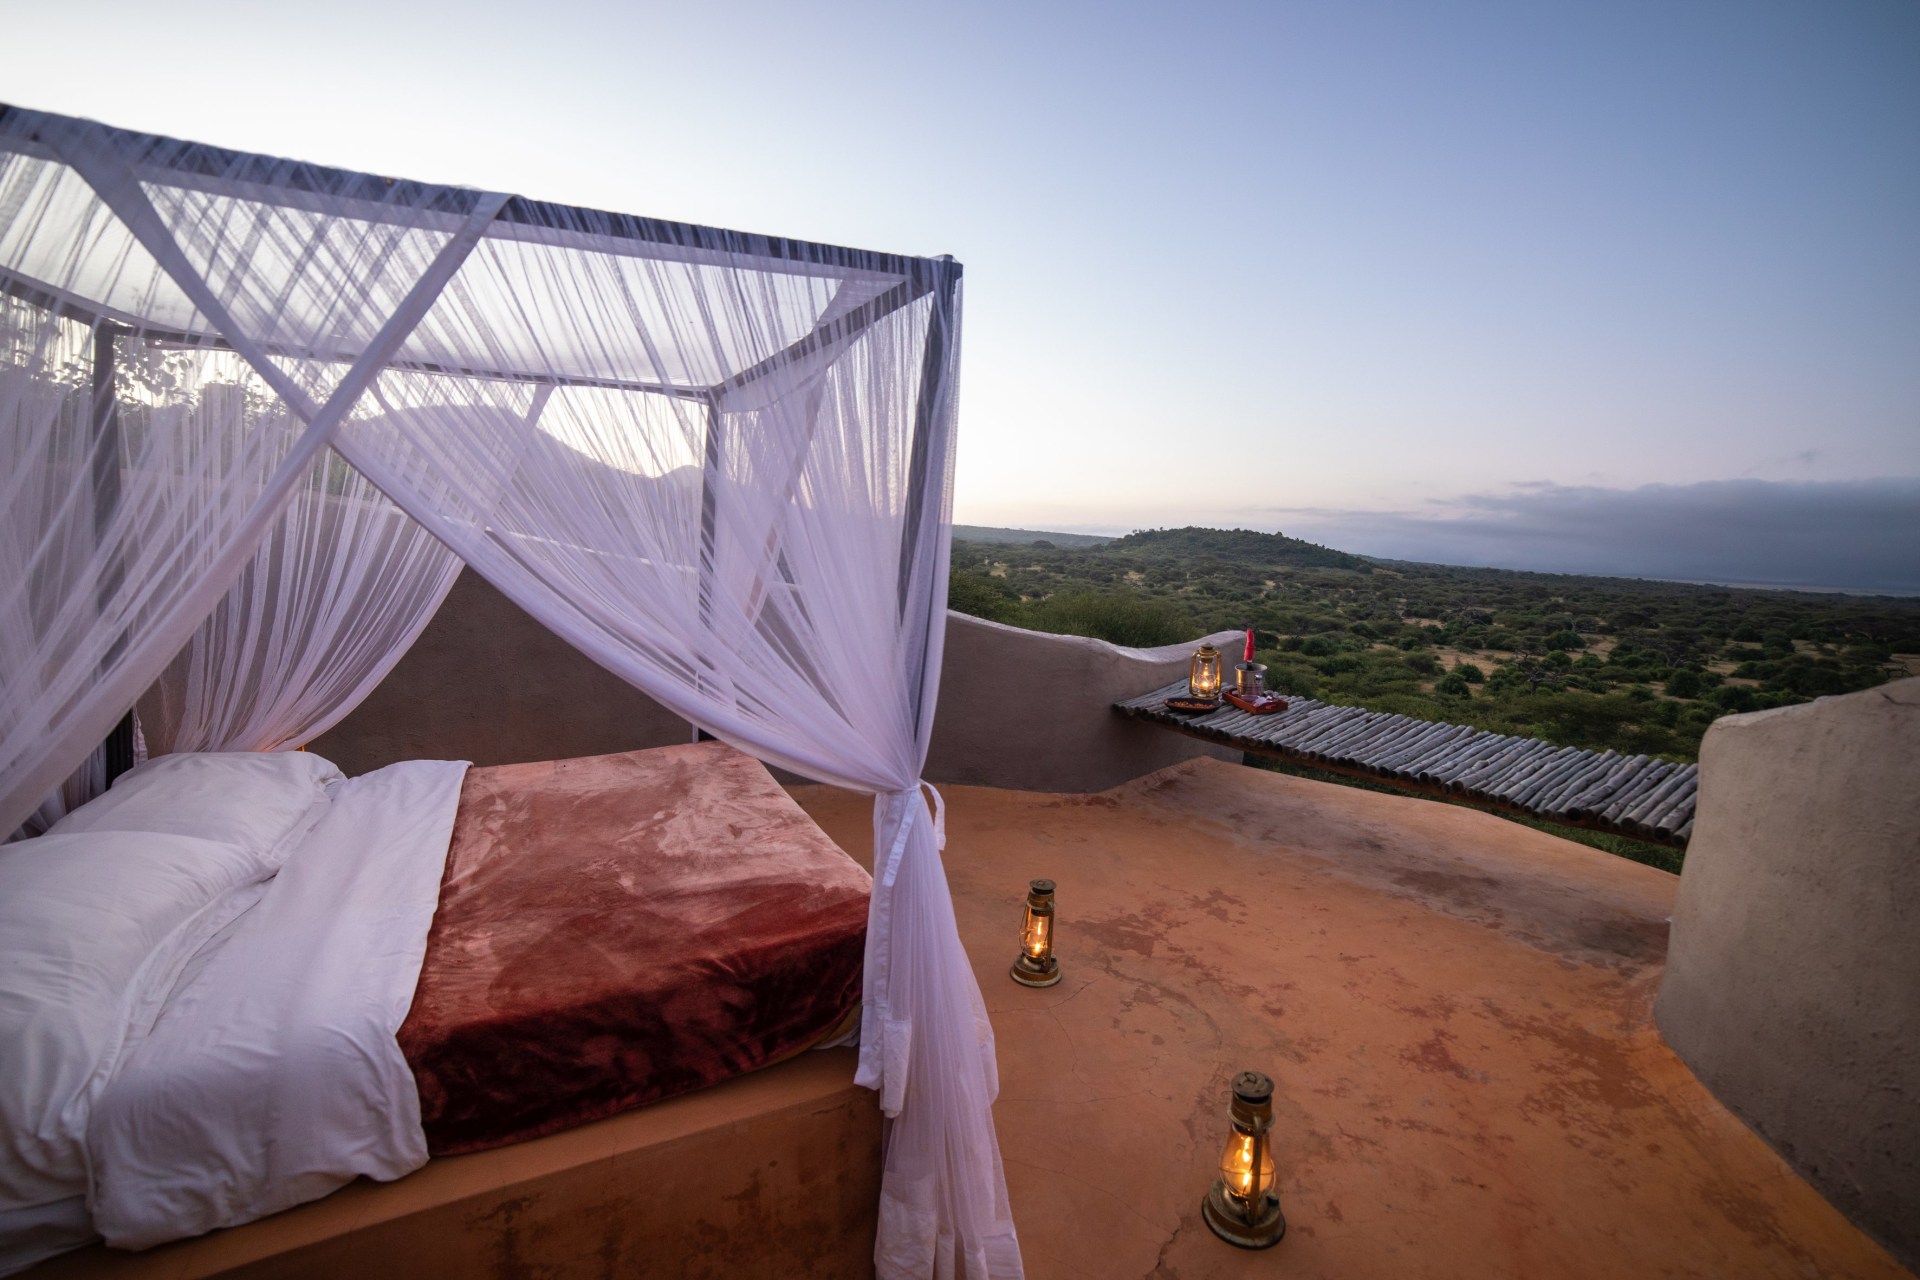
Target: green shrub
point(1470, 673)
point(1424, 663)
point(1506, 677)
point(984, 597)
point(1684, 683)
point(1298, 681)
point(1117, 617)
point(1416, 705)
point(1813, 678)
point(1454, 686)
point(1735, 697)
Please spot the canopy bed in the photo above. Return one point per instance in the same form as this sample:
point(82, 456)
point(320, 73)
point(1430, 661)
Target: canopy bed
point(257, 413)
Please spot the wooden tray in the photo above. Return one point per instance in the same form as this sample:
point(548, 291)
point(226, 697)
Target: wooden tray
point(1265, 705)
point(1193, 706)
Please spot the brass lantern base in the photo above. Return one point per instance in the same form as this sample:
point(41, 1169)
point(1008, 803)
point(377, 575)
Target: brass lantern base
point(1029, 972)
point(1225, 1220)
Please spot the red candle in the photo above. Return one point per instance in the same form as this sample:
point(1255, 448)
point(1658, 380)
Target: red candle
point(1249, 644)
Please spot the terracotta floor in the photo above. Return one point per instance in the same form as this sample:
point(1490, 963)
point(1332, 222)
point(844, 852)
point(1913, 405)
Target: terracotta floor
point(1456, 1012)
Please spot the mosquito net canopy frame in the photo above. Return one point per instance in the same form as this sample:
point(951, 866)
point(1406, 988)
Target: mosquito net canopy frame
point(257, 413)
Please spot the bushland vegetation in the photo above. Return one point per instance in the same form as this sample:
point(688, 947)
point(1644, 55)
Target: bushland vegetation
point(1638, 666)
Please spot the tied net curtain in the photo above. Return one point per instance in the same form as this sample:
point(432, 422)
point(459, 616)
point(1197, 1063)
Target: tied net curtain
point(718, 464)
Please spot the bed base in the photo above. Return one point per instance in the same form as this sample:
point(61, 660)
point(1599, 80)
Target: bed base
point(775, 1174)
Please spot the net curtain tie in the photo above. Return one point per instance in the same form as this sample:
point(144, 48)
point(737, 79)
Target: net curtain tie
point(896, 807)
point(939, 816)
point(886, 1031)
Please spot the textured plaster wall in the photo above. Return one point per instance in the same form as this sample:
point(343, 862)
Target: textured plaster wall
point(487, 683)
point(1035, 712)
point(1793, 975)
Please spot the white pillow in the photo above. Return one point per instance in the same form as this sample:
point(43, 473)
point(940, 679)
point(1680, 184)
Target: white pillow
point(263, 801)
point(93, 928)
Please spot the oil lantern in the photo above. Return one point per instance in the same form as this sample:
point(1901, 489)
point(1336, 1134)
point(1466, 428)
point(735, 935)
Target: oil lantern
point(1036, 966)
point(1203, 679)
point(1242, 1207)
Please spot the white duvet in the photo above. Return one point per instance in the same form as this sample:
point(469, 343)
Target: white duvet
point(272, 1076)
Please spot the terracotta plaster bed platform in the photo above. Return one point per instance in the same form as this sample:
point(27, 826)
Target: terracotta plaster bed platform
point(774, 1174)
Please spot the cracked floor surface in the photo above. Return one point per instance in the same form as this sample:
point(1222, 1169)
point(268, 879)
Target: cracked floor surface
point(1456, 1012)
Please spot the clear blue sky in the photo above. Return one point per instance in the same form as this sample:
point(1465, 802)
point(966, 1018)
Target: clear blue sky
point(1446, 280)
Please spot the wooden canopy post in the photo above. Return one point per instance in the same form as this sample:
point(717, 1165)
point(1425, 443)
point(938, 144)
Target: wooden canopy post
point(106, 442)
point(932, 430)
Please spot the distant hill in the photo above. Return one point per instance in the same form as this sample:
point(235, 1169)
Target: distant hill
point(983, 533)
point(1243, 546)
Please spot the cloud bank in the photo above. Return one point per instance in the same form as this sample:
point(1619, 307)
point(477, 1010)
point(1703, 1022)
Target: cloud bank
point(1863, 535)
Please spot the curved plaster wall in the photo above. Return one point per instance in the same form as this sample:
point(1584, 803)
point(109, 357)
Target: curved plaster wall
point(1034, 712)
point(1792, 985)
point(487, 683)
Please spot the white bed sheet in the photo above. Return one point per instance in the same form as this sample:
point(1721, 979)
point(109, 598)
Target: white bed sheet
point(273, 1076)
point(94, 929)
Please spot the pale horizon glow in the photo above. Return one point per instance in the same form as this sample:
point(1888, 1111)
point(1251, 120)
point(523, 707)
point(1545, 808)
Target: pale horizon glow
point(1464, 278)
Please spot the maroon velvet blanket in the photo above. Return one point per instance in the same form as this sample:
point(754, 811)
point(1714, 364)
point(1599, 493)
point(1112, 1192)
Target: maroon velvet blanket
point(617, 930)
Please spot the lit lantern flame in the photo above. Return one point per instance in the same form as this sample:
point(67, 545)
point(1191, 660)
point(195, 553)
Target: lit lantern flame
point(1203, 676)
point(1247, 1166)
point(1036, 939)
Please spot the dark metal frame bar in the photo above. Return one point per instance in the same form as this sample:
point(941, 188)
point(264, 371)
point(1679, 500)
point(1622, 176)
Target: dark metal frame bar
point(208, 161)
point(40, 294)
point(933, 368)
point(205, 161)
point(105, 441)
point(709, 513)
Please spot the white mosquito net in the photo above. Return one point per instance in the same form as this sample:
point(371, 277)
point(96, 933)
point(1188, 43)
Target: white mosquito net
point(257, 412)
